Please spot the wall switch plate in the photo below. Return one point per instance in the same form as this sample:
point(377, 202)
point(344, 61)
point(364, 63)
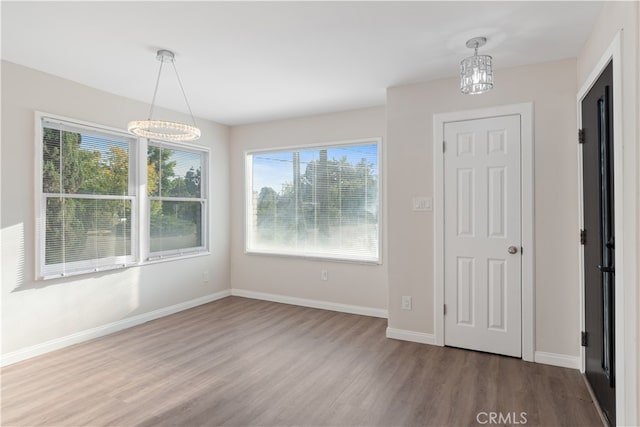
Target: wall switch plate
point(205, 276)
point(406, 302)
point(422, 203)
point(324, 275)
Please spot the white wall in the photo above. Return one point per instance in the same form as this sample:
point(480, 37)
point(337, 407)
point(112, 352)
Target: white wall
point(35, 312)
point(624, 17)
point(410, 109)
point(360, 285)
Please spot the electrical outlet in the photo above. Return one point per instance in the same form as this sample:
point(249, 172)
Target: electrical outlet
point(324, 275)
point(205, 276)
point(406, 302)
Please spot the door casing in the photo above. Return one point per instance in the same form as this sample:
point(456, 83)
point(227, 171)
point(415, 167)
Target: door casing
point(525, 110)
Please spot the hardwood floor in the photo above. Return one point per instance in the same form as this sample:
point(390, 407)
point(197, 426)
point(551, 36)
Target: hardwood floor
point(243, 362)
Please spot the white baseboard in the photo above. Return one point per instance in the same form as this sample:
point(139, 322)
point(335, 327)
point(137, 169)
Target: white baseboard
point(109, 328)
point(555, 359)
point(324, 305)
point(405, 335)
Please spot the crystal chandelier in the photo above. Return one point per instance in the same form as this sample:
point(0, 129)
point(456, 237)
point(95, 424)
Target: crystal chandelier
point(161, 129)
point(476, 72)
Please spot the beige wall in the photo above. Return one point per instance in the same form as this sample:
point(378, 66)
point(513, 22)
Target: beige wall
point(410, 109)
point(625, 16)
point(362, 285)
point(34, 312)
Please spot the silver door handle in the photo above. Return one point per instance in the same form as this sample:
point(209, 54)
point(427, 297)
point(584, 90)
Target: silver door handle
point(512, 250)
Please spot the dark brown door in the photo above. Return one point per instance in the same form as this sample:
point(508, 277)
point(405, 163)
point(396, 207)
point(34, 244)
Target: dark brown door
point(599, 243)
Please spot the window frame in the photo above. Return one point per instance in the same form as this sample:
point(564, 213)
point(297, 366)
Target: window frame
point(248, 201)
point(45, 272)
point(140, 203)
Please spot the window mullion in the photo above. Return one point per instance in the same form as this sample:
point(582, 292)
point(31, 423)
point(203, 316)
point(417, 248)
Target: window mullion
point(142, 234)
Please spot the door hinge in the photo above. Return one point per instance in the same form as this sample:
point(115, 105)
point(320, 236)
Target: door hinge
point(444, 309)
point(580, 136)
point(583, 339)
point(444, 146)
point(583, 237)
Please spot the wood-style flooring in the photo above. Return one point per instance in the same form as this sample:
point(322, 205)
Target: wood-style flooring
point(243, 362)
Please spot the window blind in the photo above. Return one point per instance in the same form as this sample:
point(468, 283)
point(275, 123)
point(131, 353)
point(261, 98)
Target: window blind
point(87, 210)
point(175, 185)
point(315, 202)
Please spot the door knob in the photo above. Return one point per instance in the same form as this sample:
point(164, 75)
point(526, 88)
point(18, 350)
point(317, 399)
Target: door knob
point(512, 250)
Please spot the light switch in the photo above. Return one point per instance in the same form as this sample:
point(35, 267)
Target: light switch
point(422, 204)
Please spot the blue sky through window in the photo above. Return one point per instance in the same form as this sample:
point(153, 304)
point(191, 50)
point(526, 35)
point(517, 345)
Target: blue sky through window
point(276, 168)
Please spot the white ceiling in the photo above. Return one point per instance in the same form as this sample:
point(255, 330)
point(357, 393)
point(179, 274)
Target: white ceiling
point(243, 62)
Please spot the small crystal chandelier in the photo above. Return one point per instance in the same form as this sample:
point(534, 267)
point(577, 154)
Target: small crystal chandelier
point(161, 129)
point(476, 72)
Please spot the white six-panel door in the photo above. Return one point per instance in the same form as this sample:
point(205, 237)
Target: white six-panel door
point(482, 235)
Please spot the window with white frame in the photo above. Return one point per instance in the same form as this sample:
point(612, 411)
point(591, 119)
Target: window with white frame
point(177, 199)
point(321, 201)
point(87, 198)
point(89, 207)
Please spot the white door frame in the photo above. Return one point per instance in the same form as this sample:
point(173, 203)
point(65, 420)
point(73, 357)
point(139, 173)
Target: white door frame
point(525, 111)
point(625, 234)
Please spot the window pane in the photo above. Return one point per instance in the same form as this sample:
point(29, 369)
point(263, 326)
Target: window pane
point(51, 161)
point(82, 162)
point(321, 202)
point(173, 173)
point(86, 229)
point(175, 225)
